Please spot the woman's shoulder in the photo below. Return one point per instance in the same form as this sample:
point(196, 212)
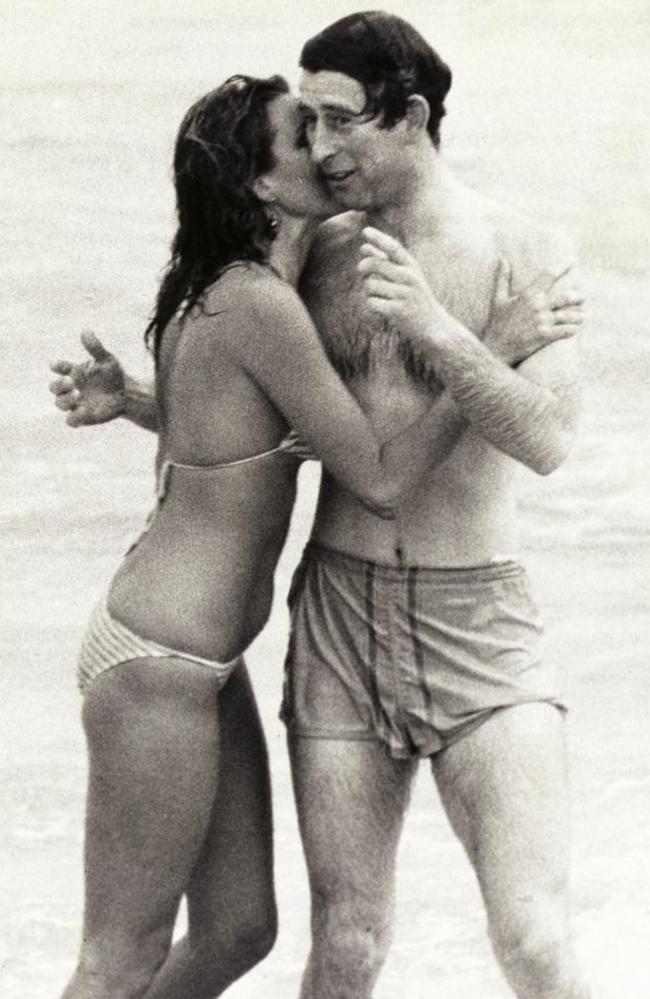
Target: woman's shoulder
point(247, 286)
point(250, 301)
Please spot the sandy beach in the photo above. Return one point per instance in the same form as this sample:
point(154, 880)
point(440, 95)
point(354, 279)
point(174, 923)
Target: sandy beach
point(550, 111)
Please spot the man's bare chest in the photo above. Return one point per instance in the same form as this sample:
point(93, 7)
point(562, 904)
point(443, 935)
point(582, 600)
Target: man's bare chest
point(360, 343)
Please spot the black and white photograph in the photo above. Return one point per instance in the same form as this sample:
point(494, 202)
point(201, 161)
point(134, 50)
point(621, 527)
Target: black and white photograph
point(325, 616)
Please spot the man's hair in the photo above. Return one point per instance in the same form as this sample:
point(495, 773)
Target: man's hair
point(389, 58)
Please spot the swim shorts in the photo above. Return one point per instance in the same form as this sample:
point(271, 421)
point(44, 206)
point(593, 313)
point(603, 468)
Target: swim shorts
point(109, 643)
point(413, 657)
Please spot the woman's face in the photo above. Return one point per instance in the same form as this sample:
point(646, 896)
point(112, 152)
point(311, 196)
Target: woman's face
point(295, 182)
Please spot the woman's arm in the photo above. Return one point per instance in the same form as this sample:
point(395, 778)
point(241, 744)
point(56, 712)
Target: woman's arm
point(269, 331)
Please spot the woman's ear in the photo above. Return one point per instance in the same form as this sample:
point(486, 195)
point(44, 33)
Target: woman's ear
point(263, 189)
point(417, 112)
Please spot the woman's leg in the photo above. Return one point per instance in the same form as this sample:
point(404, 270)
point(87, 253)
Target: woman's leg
point(231, 904)
point(153, 739)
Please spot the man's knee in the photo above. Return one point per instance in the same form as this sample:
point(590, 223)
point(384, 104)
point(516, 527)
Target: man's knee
point(352, 942)
point(536, 947)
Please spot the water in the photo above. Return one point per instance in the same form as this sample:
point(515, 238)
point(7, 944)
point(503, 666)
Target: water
point(549, 110)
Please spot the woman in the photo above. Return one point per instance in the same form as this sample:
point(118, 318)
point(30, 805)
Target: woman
point(178, 797)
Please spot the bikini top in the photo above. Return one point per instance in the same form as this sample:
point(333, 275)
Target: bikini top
point(290, 444)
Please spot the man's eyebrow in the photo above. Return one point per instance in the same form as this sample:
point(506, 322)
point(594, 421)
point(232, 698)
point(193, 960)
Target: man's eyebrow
point(335, 108)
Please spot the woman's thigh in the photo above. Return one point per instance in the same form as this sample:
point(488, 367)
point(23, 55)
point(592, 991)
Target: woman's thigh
point(153, 741)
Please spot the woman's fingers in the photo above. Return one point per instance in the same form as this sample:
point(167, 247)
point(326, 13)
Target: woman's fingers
point(570, 316)
point(67, 402)
point(61, 367)
point(560, 298)
point(61, 385)
point(564, 331)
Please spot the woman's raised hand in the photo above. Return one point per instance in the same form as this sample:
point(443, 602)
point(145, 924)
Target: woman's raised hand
point(91, 391)
point(549, 309)
point(394, 286)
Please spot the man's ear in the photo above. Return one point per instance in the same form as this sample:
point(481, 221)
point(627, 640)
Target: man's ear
point(417, 112)
point(263, 189)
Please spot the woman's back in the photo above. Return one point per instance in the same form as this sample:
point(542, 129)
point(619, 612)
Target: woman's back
point(226, 485)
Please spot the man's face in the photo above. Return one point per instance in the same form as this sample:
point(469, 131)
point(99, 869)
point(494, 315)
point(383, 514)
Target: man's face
point(361, 163)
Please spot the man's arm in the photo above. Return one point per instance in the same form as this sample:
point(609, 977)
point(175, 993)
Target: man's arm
point(99, 390)
point(530, 413)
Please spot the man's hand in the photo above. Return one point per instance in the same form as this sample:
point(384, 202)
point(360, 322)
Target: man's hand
point(395, 287)
point(91, 392)
point(549, 309)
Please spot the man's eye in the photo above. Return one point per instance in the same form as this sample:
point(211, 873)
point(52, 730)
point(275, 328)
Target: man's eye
point(339, 121)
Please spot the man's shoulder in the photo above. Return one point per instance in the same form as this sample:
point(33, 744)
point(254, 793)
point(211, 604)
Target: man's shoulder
point(530, 245)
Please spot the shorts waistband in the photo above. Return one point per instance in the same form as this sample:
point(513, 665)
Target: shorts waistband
point(452, 576)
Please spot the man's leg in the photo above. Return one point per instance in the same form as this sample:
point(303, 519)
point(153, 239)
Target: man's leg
point(351, 797)
point(504, 787)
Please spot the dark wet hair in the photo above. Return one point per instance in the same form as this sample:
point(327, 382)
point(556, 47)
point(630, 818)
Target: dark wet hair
point(389, 58)
point(224, 143)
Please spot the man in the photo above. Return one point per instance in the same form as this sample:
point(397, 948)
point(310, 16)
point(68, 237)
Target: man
point(416, 637)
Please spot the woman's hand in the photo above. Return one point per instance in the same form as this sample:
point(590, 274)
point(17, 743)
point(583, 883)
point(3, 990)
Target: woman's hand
point(394, 285)
point(91, 392)
point(549, 309)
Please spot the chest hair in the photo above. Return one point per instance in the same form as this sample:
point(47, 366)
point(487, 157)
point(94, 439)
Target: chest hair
point(359, 342)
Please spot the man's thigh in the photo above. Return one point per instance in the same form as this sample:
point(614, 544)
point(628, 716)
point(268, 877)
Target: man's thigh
point(504, 787)
point(351, 797)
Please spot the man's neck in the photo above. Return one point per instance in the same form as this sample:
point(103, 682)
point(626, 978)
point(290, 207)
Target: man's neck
point(421, 206)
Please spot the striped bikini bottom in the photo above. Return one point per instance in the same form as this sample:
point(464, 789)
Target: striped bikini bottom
point(108, 643)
